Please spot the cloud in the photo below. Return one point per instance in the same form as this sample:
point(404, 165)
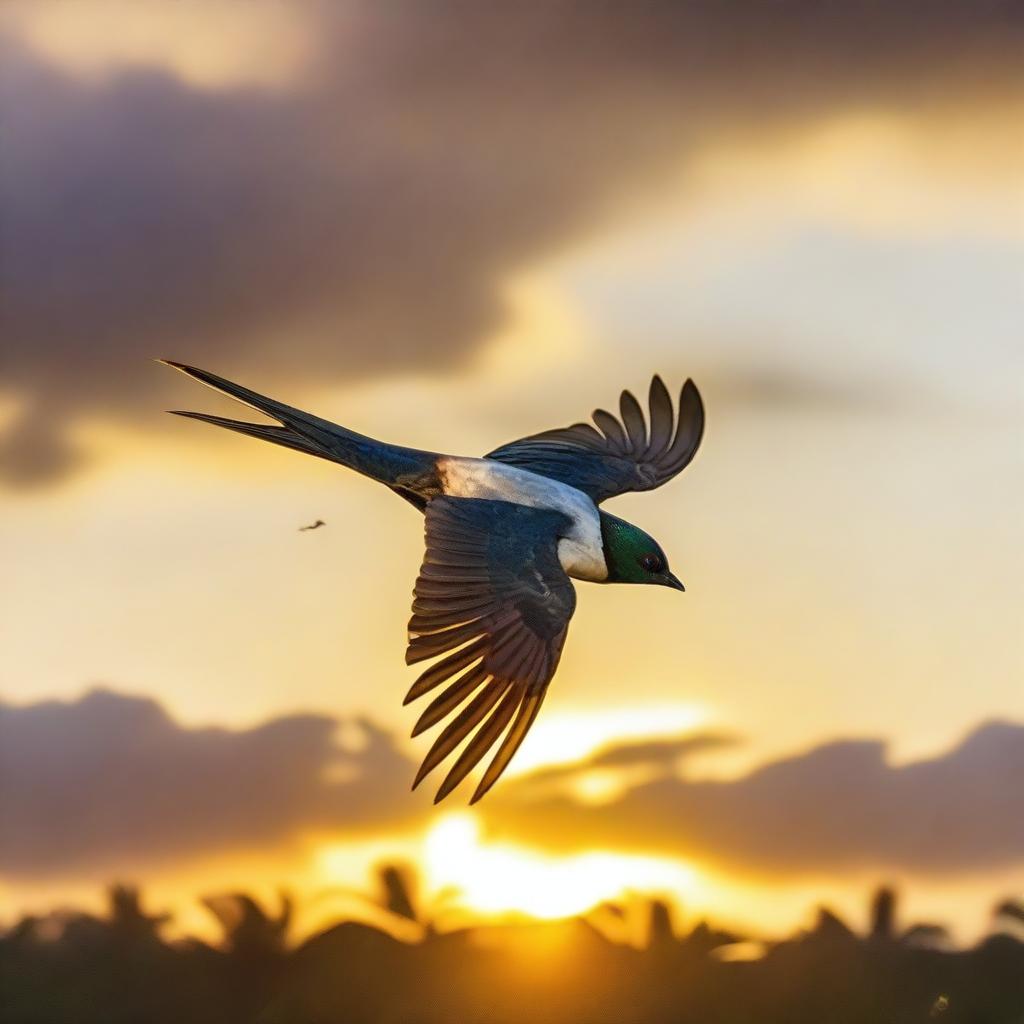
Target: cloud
point(364, 219)
point(656, 754)
point(783, 388)
point(111, 781)
point(32, 451)
point(840, 806)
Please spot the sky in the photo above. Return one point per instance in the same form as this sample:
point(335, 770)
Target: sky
point(449, 227)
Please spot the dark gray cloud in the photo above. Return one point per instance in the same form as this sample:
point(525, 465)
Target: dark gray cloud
point(111, 782)
point(838, 807)
point(366, 218)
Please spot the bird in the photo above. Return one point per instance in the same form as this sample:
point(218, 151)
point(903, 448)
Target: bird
point(505, 536)
point(312, 526)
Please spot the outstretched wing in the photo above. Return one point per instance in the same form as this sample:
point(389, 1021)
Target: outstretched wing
point(493, 598)
point(621, 456)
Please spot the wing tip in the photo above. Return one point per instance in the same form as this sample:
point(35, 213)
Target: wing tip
point(692, 393)
point(451, 780)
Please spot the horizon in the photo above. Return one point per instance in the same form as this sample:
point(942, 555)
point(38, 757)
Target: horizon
point(459, 850)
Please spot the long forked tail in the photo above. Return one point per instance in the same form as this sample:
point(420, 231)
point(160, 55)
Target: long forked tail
point(408, 471)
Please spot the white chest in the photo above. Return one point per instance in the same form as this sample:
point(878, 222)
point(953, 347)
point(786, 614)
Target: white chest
point(580, 550)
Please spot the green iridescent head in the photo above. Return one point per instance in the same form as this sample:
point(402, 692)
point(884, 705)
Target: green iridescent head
point(633, 556)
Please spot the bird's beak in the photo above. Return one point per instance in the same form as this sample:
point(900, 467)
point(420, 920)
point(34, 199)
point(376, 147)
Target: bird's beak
point(670, 581)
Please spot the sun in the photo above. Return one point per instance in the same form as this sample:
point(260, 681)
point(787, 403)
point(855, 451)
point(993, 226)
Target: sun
point(499, 878)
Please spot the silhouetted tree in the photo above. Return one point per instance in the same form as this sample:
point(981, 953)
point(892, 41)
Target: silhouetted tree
point(883, 915)
point(249, 931)
point(117, 968)
point(659, 929)
point(398, 887)
point(1010, 911)
point(925, 934)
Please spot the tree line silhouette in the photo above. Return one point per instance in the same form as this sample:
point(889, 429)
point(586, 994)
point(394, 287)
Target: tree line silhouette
point(119, 969)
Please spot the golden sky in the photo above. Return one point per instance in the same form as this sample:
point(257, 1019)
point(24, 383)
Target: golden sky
point(452, 234)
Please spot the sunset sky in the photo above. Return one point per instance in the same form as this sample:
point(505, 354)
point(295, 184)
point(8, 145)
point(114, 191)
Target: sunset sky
point(448, 230)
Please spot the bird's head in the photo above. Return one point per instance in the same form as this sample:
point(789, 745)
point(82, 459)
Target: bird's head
point(633, 556)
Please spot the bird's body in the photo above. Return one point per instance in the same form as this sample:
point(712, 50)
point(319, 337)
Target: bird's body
point(580, 550)
point(504, 534)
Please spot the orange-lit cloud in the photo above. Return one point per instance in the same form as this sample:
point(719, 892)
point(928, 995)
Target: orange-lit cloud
point(839, 807)
point(113, 783)
point(109, 783)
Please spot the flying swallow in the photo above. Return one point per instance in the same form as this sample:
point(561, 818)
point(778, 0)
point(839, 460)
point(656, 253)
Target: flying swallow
point(505, 536)
point(312, 526)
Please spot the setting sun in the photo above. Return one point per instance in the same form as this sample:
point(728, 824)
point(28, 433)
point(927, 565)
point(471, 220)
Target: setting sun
point(505, 878)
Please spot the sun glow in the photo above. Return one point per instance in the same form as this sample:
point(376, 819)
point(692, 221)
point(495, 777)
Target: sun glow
point(503, 878)
point(561, 737)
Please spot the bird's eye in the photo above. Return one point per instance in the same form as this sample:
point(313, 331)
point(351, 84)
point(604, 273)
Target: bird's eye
point(651, 563)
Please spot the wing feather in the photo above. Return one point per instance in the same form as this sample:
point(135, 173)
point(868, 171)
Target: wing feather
point(451, 697)
point(612, 430)
point(498, 636)
point(481, 742)
point(444, 669)
point(461, 726)
point(633, 419)
point(631, 454)
point(659, 401)
point(510, 744)
point(430, 645)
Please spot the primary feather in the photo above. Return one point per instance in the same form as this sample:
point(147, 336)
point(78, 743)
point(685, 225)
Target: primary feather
point(516, 618)
point(619, 457)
